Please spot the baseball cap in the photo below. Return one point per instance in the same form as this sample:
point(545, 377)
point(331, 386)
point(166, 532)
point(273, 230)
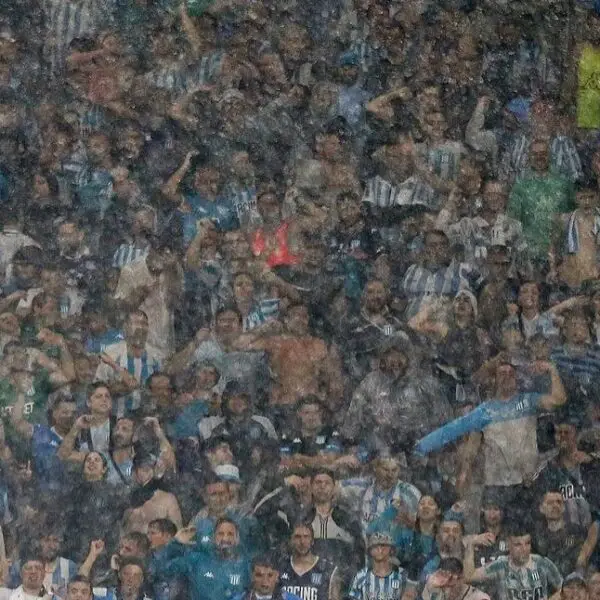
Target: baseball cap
point(228, 473)
point(380, 539)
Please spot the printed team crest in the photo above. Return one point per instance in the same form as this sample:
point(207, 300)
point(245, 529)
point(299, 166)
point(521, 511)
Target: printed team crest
point(316, 578)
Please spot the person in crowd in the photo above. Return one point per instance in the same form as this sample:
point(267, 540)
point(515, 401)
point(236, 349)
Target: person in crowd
point(306, 574)
point(219, 572)
point(560, 542)
point(381, 577)
point(297, 278)
point(540, 574)
point(266, 582)
point(337, 531)
point(449, 582)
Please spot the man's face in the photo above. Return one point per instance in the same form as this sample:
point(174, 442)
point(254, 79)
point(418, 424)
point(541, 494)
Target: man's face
point(221, 455)
point(243, 287)
point(49, 547)
point(32, 574)
point(296, 321)
point(217, 497)
point(226, 536)
point(131, 577)
point(387, 471)
point(228, 324)
point(495, 196)
point(529, 296)
point(294, 43)
point(435, 125)
point(539, 156)
point(16, 358)
point(492, 516)
point(301, 541)
point(79, 590)
point(136, 330)
point(160, 388)
point(52, 280)
point(9, 324)
point(587, 199)
point(123, 433)
point(8, 50)
point(310, 417)
point(553, 506)
point(264, 580)
point(450, 536)
point(236, 246)
point(577, 330)
point(436, 248)
point(348, 211)
point(272, 69)
point(100, 402)
point(157, 537)
point(375, 296)
point(69, 237)
point(506, 378)
point(98, 149)
point(25, 272)
point(130, 144)
point(394, 363)
point(207, 181)
point(128, 548)
point(238, 404)
point(519, 549)
point(565, 436)
point(322, 488)
point(143, 222)
point(380, 552)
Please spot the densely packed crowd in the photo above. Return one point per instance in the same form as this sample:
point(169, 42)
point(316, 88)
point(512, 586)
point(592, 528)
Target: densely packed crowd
point(300, 299)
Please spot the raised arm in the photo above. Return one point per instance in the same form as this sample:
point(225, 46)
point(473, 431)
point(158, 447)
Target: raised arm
point(170, 188)
point(67, 450)
point(557, 396)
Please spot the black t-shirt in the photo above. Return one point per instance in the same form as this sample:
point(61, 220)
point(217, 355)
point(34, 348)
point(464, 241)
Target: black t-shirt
point(312, 585)
point(327, 440)
point(562, 547)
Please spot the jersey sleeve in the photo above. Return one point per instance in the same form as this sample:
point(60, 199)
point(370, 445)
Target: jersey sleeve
point(552, 574)
point(356, 587)
point(495, 569)
point(476, 420)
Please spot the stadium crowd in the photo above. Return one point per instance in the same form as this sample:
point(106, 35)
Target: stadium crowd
point(300, 300)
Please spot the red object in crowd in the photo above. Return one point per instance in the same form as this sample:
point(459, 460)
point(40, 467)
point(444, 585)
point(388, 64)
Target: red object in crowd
point(281, 254)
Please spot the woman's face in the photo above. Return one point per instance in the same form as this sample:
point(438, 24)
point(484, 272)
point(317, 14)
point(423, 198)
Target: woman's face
point(428, 510)
point(143, 474)
point(529, 296)
point(243, 287)
point(93, 467)
point(41, 189)
point(463, 308)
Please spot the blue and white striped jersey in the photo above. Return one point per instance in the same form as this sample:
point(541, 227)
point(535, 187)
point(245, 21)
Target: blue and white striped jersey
point(367, 585)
